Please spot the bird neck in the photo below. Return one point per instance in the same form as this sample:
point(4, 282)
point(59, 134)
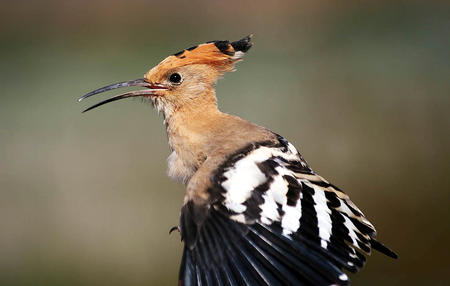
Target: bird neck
point(198, 131)
point(189, 131)
point(189, 127)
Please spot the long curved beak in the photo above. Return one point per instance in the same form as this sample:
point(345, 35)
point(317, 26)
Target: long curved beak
point(152, 87)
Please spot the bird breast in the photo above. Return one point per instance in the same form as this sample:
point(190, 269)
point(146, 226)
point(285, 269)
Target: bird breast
point(179, 169)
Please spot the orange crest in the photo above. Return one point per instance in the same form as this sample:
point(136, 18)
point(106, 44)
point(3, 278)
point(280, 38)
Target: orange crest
point(220, 54)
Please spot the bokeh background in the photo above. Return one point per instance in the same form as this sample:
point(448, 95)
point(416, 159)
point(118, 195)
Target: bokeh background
point(360, 87)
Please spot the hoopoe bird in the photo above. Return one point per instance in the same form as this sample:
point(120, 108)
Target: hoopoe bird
point(254, 212)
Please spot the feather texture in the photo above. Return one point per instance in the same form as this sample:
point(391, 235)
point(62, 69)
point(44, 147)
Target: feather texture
point(275, 222)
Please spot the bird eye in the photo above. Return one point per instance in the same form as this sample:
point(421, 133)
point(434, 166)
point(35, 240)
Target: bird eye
point(175, 78)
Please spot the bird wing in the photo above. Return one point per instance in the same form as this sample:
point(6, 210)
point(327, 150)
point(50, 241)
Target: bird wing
point(273, 222)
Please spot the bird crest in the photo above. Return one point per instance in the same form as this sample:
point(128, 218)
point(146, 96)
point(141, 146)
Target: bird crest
point(220, 54)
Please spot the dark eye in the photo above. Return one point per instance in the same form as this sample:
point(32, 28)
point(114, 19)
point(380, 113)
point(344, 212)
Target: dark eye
point(175, 78)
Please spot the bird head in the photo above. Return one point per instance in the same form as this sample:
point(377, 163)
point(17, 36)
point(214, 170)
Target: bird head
point(185, 79)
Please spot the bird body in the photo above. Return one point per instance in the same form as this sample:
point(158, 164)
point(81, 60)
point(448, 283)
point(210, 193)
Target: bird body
point(254, 212)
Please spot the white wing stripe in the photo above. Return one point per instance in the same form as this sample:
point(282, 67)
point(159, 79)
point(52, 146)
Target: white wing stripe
point(243, 178)
point(351, 227)
point(269, 210)
point(278, 189)
point(323, 217)
point(291, 218)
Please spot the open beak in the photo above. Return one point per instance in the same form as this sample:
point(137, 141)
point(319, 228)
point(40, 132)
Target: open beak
point(152, 87)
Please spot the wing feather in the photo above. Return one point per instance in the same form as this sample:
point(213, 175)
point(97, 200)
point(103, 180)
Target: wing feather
point(273, 222)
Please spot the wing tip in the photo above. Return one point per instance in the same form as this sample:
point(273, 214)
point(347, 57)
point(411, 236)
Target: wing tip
point(383, 249)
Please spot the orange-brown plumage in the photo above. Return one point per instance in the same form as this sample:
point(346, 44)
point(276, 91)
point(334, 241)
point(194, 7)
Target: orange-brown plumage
point(221, 56)
point(202, 54)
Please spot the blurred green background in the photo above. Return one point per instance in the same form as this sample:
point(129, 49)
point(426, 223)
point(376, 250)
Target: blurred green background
point(360, 87)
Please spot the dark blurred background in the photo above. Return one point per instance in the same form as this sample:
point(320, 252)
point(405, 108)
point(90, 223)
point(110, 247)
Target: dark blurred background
point(360, 87)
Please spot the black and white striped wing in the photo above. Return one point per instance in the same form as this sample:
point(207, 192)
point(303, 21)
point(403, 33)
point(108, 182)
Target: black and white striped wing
point(274, 222)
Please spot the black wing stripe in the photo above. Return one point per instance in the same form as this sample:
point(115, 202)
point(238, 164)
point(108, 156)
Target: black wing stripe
point(353, 208)
point(253, 211)
point(309, 229)
point(294, 189)
point(341, 227)
point(362, 227)
point(308, 220)
point(340, 234)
